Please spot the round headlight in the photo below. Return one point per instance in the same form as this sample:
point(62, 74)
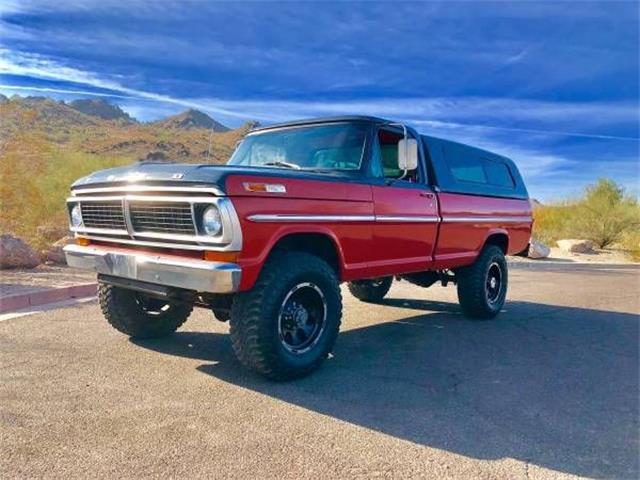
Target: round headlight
point(211, 221)
point(76, 217)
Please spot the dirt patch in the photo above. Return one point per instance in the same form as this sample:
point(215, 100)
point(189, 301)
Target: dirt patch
point(598, 256)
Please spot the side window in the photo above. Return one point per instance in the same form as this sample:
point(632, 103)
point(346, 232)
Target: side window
point(465, 167)
point(387, 152)
point(498, 173)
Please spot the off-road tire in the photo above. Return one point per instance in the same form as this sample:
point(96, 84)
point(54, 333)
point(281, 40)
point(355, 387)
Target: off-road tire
point(255, 317)
point(124, 312)
point(473, 284)
point(371, 291)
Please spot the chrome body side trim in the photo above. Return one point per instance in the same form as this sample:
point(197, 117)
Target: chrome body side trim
point(310, 218)
point(190, 274)
point(383, 218)
point(481, 219)
point(343, 218)
point(407, 218)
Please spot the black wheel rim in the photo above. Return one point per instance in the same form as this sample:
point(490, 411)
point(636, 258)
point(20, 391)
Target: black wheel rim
point(152, 306)
point(302, 318)
point(493, 286)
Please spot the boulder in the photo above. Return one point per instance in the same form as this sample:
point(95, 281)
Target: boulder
point(575, 246)
point(538, 250)
point(15, 253)
point(54, 253)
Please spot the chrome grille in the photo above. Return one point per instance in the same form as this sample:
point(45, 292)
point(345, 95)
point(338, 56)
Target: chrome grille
point(161, 217)
point(106, 215)
point(155, 216)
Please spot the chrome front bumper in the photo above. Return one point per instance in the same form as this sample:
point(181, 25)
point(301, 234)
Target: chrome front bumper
point(190, 274)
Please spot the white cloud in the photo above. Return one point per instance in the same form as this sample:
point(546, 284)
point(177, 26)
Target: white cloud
point(19, 88)
point(40, 67)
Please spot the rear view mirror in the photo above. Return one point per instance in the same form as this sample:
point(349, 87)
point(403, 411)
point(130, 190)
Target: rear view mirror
point(408, 154)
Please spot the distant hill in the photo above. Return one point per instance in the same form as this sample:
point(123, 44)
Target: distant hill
point(41, 113)
point(102, 128)
point(191, 119)
point(101, 109)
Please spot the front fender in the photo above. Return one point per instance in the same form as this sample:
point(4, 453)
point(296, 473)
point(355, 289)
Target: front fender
point(252, 265)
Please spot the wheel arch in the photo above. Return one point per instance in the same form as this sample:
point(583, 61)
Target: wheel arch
point(498, 237)
point(320, 243)
point(318, 240)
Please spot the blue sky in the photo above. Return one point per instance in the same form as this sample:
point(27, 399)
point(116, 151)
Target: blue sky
point(554, 85)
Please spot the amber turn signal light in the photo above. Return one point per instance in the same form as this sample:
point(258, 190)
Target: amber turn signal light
point(83, 241)
point(265, 187)
point(221, 256)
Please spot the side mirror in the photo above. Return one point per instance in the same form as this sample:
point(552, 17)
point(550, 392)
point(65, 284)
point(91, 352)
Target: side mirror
point(408, 154)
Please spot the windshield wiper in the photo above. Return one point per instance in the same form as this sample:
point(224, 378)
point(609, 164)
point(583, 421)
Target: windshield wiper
point(279, 163)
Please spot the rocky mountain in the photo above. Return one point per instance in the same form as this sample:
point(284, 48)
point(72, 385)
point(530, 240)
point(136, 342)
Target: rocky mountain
point(191, 119)
point(3, 99)
point(101, 128)
point(101, 109)
point(28, 114)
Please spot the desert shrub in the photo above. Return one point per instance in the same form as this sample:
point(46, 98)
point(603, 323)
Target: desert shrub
point(603, 214)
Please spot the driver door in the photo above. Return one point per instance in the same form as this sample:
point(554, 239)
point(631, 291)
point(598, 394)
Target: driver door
point(406, 211)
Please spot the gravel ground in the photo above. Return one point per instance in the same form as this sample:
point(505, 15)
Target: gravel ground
point(548, 390)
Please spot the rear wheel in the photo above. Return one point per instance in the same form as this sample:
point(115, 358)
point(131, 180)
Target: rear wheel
point(287, 324)
point(482, 287)
point(372, 290)
point(139, 315)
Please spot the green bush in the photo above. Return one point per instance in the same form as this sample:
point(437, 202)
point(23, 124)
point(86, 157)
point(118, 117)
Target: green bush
point(603, 215)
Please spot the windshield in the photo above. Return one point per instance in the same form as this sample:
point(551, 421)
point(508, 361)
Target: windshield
point(317, 147)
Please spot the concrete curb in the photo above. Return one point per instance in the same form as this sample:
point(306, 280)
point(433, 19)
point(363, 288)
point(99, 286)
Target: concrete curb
point(12, 303)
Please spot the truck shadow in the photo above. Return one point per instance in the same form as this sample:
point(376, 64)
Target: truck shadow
point(554, 386)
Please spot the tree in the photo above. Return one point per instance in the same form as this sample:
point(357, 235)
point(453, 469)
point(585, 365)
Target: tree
point(605, 213)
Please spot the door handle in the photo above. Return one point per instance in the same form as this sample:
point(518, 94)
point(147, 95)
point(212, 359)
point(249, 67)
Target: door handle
point(429, 195)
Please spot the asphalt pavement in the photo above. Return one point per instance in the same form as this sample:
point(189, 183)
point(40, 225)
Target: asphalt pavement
point(549, 389)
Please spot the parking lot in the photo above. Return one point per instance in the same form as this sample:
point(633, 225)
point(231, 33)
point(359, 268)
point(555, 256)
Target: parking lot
point(414, 390)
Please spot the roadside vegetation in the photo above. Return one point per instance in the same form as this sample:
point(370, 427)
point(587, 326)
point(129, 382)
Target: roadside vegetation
point(602, 214)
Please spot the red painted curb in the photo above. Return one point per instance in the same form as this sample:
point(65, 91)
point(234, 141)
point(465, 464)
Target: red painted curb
point(43, 297)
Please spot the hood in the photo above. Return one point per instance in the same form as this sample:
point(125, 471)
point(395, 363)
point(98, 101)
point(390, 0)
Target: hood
point(154, 173)
point(186, 174)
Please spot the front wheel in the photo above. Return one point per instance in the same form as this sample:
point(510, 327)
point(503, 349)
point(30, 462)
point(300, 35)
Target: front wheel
point(140, 316)
point(482, 287)
point(287, 324)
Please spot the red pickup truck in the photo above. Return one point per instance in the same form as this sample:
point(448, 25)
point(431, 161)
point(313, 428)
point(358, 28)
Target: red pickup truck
point(266, 240)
